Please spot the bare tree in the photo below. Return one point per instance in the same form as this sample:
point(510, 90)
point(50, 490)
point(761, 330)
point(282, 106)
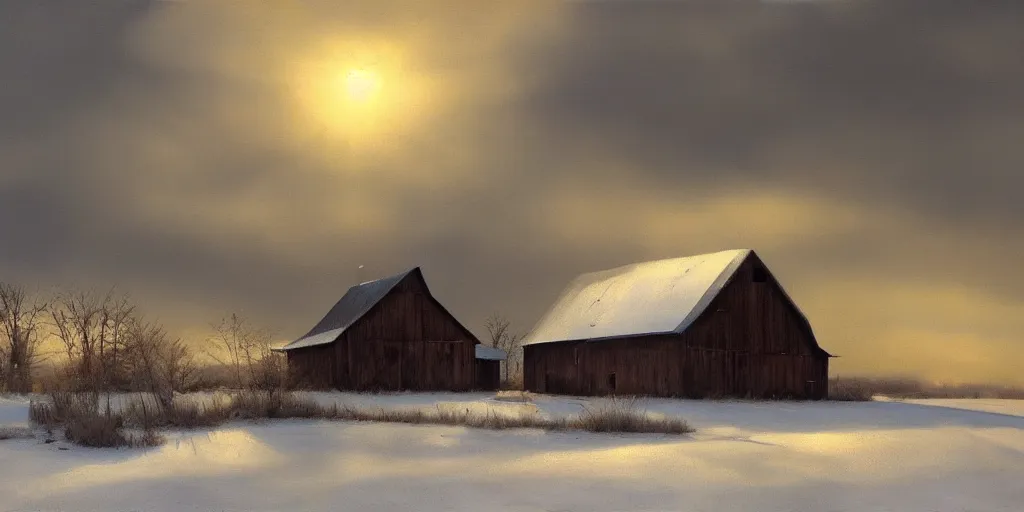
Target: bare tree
point(116, 319)
point(94, 331)
point(244, 348)
point(143, 356)
point(110, 347)
point(76, 316)
point(178, 365)
point(499, 330)
point(21, 319)
point(159, 364)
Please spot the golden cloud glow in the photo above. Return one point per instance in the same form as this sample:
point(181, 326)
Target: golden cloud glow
point(937, 332)
point(361, 92)
point(663, 223)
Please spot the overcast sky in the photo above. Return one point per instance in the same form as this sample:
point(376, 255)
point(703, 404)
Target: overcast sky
point(203, 157)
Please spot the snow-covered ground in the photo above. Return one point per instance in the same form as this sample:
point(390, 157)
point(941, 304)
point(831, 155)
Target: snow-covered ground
point(1011, 407)
point(13, 411)
point(907, 456)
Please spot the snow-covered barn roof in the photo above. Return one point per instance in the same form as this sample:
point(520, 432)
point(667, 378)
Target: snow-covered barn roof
point(490, 353)
point(656, 297)
point(356, 302)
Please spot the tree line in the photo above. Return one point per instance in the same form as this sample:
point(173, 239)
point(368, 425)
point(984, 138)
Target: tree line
point(102, 342)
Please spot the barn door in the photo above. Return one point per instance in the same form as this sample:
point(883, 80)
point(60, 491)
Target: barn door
point(441, 362)
point(810, 389)
point(815, 380)
point(412, 364)
point(390, 375)
point(747, 385)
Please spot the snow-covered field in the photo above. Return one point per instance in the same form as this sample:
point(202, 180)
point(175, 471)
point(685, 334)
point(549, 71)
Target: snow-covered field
point(907, 456)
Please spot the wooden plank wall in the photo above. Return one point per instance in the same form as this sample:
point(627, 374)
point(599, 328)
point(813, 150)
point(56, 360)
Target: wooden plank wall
point(406, 342)
point(311, 367)
point(750, 342)
point(658, 368)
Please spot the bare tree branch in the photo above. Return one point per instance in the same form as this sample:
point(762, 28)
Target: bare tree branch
point(21, 319)
point(94, 331)
point(501, 336)
point(247, 349)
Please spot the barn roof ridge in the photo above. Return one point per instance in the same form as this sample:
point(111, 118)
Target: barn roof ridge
point(356, 302)
point(653, 297)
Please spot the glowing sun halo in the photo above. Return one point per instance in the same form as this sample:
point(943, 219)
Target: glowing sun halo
point(361, 86)
point(365, 94)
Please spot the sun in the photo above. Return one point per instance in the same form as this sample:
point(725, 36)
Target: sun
point(361, 86)
point(365, 93)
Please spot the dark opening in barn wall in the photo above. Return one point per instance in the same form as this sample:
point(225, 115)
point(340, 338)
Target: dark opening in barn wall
point(488, 367)
point(488, 377)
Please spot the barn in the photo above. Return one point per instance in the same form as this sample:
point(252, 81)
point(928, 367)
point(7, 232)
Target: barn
point(488, 367)
point(387, 335)
point(711, 325)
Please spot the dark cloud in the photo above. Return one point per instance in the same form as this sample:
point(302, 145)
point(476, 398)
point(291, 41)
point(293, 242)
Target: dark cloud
point(160, 146)
point(893, 102)
point(56, 58)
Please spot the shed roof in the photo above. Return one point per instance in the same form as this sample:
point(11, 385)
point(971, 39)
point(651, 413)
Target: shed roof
point(656, 297)
point(490, 353)
point(356, 302)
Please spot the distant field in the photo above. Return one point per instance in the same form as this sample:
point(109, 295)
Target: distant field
point(1011, 407)
point(914, 455)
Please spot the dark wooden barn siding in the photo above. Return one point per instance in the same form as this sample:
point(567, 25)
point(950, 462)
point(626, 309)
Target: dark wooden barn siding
point(488, 374)
point(408, 342)
point(750, 342)
point(312, 367)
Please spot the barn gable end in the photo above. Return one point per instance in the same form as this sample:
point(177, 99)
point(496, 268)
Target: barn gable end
point(389, 334)
point(750, 298)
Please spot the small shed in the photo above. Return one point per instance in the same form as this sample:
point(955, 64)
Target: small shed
point(488, 367)
point(389, 335)
point(711, 325)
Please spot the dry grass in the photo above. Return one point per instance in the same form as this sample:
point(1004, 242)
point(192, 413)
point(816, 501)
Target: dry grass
point(189, 415)
point(277, 405)
point(148, 438)
point(616, 415)
point(458, 417)
point(41, 413)
point(107, 431)
point(514, 396)
point(15, 433)
point(96, 430)
point(626, 415)
point(849, 390)
point(85, 425)
point(184, 414)
point(514, 383)
point(62, 407)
